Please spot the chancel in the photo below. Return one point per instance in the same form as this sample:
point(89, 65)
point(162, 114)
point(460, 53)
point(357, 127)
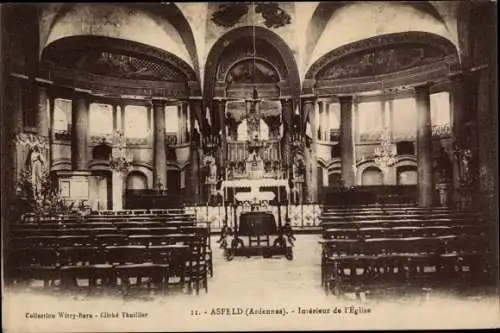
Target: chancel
point(361, 134)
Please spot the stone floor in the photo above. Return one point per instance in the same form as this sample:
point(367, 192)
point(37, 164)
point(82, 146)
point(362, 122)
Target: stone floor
point(273, 285)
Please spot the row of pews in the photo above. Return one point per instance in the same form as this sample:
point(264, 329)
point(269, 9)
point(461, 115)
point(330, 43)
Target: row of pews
point(156, 249)
point(376, 249)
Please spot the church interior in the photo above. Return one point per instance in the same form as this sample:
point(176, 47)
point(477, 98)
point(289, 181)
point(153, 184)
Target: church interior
point(155, 145)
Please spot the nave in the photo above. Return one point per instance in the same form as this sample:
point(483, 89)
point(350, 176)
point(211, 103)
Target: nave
point(268, 283)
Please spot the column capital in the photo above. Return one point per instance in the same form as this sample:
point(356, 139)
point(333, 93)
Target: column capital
point(423, 85)
point(308, 97)
point(345, 99)
point(81, 92)
point(158, 102)
point(43, 82)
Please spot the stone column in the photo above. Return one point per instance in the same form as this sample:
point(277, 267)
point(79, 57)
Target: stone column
point(328, 122)
point(115, 116)
point(149, 112)
point(392, 172)
point(42, 116)
point(42, 120)
point(159, 153)
point(183, 121)
point(14, 125)
point(487, 120)
point(311, 177)
point(195, 109)
point(220, 109)
point(286, 116)
point(80, 131)
point(122, 117)
point(457, 120)
point(51, 129)
point(424, 147)
point(346, 144)
point(322, 124)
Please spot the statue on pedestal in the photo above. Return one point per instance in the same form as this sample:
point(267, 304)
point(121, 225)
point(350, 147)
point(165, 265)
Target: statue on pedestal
point(463, 158)
point(37, 163)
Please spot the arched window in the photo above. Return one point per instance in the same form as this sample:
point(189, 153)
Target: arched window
point(62, 114)
point(334, 179)
point(407, 175)
point(100, 119)
point(136, 121)
point(372, 176)
point(136, 180)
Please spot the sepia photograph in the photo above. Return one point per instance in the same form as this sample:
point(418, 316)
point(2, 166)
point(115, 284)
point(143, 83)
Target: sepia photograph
point(249, 166)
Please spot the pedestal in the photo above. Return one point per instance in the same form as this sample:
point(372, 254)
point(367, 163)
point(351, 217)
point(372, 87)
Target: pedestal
point(465, 195)
point(74, 185)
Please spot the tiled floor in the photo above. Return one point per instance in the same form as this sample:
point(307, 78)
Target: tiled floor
point(273, 283)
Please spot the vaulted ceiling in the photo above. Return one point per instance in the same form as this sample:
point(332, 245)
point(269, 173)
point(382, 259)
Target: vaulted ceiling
point(190, 30)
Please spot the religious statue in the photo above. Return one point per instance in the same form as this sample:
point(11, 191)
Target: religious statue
point(213, 171)
point(463, 157)
point(466, 160)
point(36, 164)
point(298, 168)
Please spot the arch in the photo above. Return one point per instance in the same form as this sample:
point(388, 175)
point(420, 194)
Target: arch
point(330, 164)
point(260, 33)
point(146, 169)
point(334, 178)
point(404, 160)
point(257, 59)
point(159, 14)
point(361, 166)
point(136, 180)
point(406, 174)
point(437, 43)
point(371, 175)
point(53, 51)
point(419, 15)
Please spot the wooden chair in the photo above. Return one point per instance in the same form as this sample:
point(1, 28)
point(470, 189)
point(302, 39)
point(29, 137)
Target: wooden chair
point(197, 272)
point(132, 261)
point(77, 264)
point(24, 264)
point(339, 255)
point(114, 239)
point(203, 232)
